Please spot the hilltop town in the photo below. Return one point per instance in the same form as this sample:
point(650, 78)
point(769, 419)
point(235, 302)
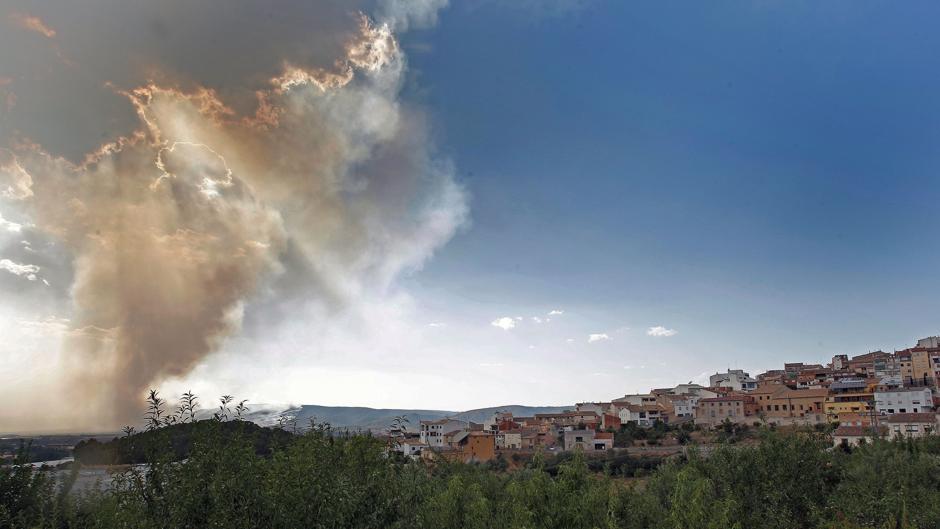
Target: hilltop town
point(877, 394)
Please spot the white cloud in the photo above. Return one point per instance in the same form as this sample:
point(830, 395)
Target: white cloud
point(556, 312)
point(570, 340)
point(23, 270)
point(505, 323)
point(9, 225)
point(435, 324)
point(50, 324)
point(661, 332)
point(536, 319)
point(597, 337)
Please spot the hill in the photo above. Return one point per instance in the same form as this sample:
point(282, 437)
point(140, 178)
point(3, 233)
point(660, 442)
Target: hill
point(378, 419)
point(179, 438)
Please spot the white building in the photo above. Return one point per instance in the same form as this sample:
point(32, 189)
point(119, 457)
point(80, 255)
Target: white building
point(509, 440)
point(685, 406)
point(932, 342)
point(904, 400)
point(642, 399)
point(694, 389)
point(736, 379)
point(849, 436)
point(902, 425)
point(411, 447)
point(641, 415)
point(433, 432)
point(588, 440)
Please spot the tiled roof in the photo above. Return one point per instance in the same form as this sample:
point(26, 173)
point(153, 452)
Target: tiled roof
point(729, 398)
point(912, 417)
point(806, 393)
point(768, 389)
point(565, 414)
point(856, 431)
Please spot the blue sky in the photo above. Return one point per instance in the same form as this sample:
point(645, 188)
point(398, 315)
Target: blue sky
point(762, 176)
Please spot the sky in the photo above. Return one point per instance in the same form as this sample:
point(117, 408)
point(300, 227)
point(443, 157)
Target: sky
point(458, 206)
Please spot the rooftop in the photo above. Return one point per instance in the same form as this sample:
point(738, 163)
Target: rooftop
point(898, 418)
point(729, 398)
point(857, 431)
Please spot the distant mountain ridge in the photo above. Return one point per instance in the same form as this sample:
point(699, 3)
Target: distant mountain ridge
point(378, 419)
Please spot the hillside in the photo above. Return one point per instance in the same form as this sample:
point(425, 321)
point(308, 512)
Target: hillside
point(378, 419)
point(179, 439)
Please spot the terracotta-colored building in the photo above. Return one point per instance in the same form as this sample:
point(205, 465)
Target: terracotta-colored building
point(735, 408)
point(783, 405)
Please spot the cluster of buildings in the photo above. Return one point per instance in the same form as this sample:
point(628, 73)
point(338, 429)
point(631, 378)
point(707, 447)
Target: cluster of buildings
point(877, 394)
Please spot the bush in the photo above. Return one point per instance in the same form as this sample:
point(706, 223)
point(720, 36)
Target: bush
point(324, 479)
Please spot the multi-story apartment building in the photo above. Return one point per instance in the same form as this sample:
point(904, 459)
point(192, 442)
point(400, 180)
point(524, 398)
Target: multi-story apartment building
point(873, 364)
point(588, 440)
point(434, 433)
point(841, 403)
point(839, 362)
point(932, 342)
point(683, 406)
point(735, 408)
point(509, 440)
point(782, 405)
point(904, 400)
point(570, 419)
point(902, 425)
point(643, 415)
point(920, 365)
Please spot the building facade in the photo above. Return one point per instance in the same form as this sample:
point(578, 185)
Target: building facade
point(904, 400)
point(712, 412)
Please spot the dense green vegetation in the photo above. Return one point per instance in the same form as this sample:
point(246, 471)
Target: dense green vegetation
point(319, 479)
point(177, 439)
point(35, 453)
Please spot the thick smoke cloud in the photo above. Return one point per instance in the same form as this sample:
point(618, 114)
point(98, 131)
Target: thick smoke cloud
point(205, 156)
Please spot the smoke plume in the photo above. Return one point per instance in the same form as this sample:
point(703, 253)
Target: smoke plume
point(248, 149)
